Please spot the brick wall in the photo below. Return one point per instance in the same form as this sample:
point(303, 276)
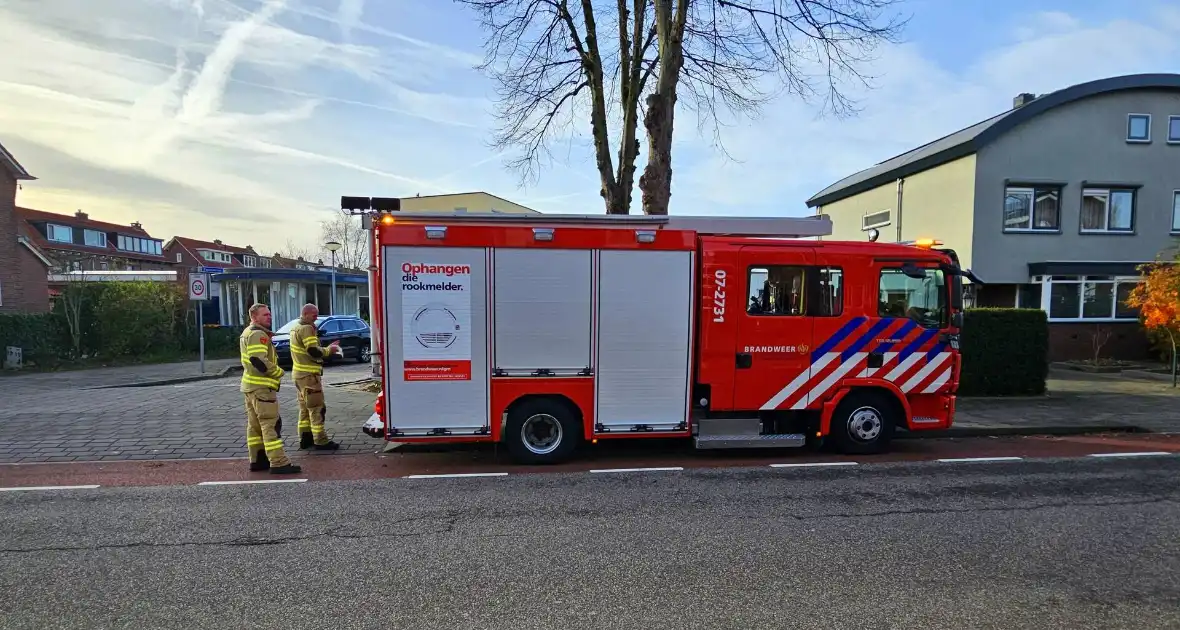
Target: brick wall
point(24, 286)
point(1070, 341)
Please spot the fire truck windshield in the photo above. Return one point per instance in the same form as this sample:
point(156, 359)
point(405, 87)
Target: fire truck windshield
point(923, 300)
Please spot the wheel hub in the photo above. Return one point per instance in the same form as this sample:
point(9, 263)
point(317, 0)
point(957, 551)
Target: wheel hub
point(541, 434)
point(865, 424)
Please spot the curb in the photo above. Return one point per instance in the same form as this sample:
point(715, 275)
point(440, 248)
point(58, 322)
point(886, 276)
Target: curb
point(228, 371)
point(970, 432)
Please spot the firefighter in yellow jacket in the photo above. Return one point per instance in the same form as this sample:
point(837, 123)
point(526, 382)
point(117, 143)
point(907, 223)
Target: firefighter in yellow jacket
point(307, 361)
point(261, 376)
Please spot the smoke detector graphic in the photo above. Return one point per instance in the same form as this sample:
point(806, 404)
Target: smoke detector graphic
point(435, 326)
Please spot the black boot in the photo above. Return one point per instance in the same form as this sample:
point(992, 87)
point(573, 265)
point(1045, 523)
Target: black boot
point(306, 440)
point(330, 446)
point(262, 464)
point(289, 469)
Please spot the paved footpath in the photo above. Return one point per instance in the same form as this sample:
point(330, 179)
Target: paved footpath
point(79, 416)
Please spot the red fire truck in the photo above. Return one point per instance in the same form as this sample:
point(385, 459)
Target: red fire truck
point(547, 331)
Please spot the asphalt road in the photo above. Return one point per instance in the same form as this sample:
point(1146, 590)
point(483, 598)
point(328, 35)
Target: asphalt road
point(1052, 543)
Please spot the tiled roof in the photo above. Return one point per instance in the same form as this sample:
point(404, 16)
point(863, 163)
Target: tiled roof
point(8, 161)
point(29, 216)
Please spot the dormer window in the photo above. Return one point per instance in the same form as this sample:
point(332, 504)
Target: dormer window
point(216, 256)
point(249, 261)
point(59, 233)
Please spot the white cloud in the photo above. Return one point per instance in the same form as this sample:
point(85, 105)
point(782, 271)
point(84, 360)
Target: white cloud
point(791, 154)
point(247, 123)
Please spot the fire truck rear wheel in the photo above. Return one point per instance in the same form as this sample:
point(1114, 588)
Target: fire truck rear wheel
point(863, 423)
point(542, 431)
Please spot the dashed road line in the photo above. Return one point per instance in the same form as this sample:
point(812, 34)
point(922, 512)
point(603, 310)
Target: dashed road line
point(457, 475)
point(249, 481)
point(814, 465)
point(960, 460)
point(627, 470)
point(27, 488)
point(1137, 454)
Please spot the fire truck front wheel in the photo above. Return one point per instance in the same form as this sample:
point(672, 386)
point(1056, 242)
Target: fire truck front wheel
point(863, 423)
point(542, 431)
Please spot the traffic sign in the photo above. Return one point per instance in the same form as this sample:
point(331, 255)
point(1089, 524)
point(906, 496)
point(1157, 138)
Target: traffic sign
point(198, 287)
point(210, 269)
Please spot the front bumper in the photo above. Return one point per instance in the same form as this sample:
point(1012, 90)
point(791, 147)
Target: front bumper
point(374, 427)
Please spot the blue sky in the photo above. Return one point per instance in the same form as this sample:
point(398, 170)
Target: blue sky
point(246, 120)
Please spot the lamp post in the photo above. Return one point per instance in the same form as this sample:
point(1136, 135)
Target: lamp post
point(333, 247)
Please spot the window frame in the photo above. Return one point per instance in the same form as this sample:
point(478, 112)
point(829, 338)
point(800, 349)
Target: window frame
point(1175, 212)
point(1109, 191)
point(1174, 119)
point(88, 232)
point(1132, 140)
point(1116, 281)
point(249, 261)
point(1059, 189)
point(865, 225)
point(945, 318)
point(51, 228)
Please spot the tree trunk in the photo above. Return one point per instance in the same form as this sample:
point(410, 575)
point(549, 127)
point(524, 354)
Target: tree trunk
point(656, 182)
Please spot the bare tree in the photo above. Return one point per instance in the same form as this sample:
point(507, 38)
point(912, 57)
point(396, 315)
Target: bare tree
point(353, 239)
point(552, 69)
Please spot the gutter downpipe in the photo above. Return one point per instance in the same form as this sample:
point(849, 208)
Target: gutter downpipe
point(900, 194)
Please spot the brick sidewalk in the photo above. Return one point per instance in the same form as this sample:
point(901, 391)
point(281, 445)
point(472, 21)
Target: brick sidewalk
point(50, 417)
point(48, 420)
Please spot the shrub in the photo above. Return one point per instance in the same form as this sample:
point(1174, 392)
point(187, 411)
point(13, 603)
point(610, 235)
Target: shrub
point(1005, 352)
point(42, 337)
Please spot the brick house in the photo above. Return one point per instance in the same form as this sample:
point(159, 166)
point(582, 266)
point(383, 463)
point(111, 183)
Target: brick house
point(23, 267)
point(78, 243)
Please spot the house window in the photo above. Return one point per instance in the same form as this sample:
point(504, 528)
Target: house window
point(1174, 129)
point(59, 233)
point(922, 299)
point(1139, 128)
point(1176, 211)
point(776, 290)
point(212, 256)
point(248, 261)
point(1089, 298)
point(1108, 210)
point(1032, 209)
point(94, 238)
point(877, 219)
point(179, 257)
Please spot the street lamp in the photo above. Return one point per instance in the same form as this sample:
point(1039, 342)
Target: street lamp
point(333, 247)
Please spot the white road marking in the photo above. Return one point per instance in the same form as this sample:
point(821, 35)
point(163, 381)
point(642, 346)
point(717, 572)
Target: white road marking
point(456, 475)
point(626, 470)
point(249, 481)
point(953, 460)
point(813, 465)
point(1138, 454)
point(20, 489)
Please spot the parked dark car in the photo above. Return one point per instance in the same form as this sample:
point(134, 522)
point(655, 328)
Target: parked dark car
point(352, 332)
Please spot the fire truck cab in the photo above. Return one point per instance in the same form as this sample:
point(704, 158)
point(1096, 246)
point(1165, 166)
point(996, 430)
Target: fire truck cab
point(545, 332)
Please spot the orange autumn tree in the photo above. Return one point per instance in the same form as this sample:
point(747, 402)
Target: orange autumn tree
point(1158, 299)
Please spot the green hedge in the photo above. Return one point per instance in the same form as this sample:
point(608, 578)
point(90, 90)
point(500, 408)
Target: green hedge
point(1005, 352)
point(117, 321)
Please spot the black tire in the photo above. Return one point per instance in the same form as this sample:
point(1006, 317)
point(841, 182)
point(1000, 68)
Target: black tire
point(363, 356)
point(554, 431)
point(864, 423)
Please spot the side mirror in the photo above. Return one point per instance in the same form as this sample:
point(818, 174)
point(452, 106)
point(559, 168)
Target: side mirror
point(957, 320)
point(913, 271)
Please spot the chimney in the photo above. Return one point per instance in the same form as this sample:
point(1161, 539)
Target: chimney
point(1022, 99)
point(137, 225)
point(217, 242)
point(81, 215)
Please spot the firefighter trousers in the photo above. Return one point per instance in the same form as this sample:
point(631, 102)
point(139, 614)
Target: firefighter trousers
point(262, 427)
point(312, 408)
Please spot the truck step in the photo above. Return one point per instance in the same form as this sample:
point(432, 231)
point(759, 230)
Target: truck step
point(729, 427)
point(783, 440)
